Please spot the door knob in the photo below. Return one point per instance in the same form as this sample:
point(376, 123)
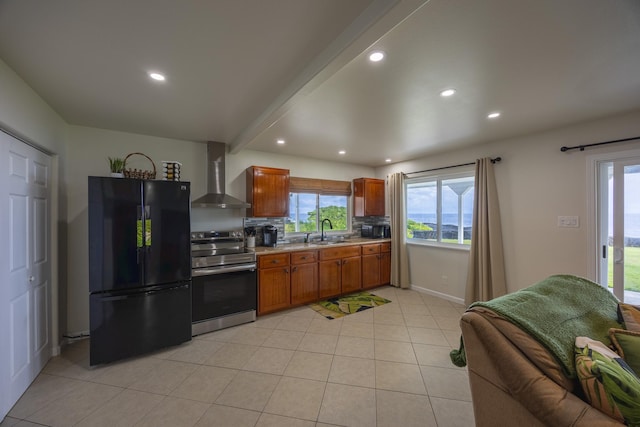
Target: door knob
point(31, 278)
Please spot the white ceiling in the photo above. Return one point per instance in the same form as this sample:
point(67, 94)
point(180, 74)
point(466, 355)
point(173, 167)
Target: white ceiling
point(252, 71)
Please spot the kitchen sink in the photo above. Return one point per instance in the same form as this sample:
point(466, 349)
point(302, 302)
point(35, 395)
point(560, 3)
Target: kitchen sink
point(327, 243)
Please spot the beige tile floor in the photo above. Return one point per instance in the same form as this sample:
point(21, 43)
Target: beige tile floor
point(387, 366)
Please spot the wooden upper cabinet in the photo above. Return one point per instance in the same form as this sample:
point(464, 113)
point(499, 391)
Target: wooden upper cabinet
point(368, 197)
point(268, 192)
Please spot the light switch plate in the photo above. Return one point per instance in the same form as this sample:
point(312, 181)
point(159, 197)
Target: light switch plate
point(568, 221)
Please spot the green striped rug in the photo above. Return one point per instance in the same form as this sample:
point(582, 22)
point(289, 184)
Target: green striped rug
point(335, 308)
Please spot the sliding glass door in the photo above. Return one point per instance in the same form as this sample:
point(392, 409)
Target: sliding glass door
point(619, 227)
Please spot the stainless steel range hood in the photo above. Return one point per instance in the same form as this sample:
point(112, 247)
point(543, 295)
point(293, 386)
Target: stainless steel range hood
point(216, 197)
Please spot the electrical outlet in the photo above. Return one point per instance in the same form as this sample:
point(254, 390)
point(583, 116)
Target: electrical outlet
point(568, 221)
point(445, 280)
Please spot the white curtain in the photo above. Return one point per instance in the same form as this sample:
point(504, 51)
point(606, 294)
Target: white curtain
point(399, 257)
point(486, 276)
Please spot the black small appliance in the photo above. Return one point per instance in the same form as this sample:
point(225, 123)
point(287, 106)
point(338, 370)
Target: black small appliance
point(270, 235)
point(377, 231)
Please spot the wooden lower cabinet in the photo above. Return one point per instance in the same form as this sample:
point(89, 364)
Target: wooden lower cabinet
point(351, 274)
point(385, 263)
point(304, 277)
point(274, 289)
point(300, 277)
point(370, 265)
point(376, 265)
point(330, 278)
point(340, 271)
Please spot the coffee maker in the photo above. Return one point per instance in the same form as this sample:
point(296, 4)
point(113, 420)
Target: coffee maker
point(270, 235)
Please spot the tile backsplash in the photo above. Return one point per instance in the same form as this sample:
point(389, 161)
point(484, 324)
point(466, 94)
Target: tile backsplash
point(259, 223)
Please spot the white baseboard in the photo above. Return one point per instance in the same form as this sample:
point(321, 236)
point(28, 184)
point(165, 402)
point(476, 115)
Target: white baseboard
point(71, 338)
point(451, 298)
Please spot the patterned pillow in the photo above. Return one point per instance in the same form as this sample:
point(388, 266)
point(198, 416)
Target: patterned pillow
point(627, 344)
point(630, 316)
point(608, 382)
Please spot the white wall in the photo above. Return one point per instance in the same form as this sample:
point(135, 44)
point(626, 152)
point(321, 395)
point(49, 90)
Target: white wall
point(536, 183)
point(26, 115)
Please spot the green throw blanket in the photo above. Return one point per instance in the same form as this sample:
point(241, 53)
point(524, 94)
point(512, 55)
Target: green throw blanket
point(555, 311)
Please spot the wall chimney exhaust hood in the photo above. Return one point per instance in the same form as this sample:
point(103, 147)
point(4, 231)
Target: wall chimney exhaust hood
point(216, 197)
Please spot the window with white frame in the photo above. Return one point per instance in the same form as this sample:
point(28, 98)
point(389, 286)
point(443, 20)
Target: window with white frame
point(440, 208)
point(312, 200)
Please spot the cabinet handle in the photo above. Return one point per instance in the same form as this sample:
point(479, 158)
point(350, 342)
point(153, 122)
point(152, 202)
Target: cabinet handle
point(286, 270)
point(275, 261)
point(294, 269)
point(338, 262)
point(344, 261)
point(303, 258)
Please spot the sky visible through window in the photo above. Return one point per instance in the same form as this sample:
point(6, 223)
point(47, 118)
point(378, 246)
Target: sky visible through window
point(302, 204)
point(631, 204)
point(422, 204)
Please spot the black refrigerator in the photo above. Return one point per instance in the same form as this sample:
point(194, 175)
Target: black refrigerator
point(139, 266)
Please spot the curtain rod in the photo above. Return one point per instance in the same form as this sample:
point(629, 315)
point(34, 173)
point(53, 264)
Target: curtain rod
point(582, 147)
point(497, 159)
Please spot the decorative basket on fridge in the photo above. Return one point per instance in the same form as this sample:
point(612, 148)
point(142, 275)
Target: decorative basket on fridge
point(139, 173)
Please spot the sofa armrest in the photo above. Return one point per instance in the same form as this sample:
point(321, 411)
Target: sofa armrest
point(507, 388)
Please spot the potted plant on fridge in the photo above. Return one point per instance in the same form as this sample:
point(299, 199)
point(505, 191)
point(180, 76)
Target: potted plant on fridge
point(116, 165)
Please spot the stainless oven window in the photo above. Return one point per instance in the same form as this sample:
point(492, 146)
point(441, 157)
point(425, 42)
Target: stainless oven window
point(219, 295)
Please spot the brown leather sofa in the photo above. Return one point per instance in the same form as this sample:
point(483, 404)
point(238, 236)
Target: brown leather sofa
point(515, 381)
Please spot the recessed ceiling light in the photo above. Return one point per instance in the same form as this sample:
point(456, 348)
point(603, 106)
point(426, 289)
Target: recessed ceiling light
point(376, 56)
point(494, 115)
point(342, 152)
point(157, 77)
point(387, 160)
point(280, 141)
point(447, 92)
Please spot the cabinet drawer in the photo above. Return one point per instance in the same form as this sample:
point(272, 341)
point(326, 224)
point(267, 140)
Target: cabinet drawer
point(385, 247)
point(342, 252)
point(371, 249)
point(304, 257)
point(275, 260)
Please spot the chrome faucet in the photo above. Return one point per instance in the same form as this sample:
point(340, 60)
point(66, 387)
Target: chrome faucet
point(322, 236)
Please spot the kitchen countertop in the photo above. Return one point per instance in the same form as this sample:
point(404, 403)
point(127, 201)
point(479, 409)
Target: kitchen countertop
point(294, 247)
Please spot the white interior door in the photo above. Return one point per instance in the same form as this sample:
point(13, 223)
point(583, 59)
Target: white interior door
point(25, 300)
point(619, 227)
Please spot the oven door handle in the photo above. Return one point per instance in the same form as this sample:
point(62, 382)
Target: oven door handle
point(223, 269)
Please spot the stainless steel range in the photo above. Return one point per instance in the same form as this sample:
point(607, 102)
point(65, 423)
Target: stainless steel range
point(224, 281)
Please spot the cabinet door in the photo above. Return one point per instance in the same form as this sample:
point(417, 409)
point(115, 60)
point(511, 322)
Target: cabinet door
point(374, 198)
point(351, 274)
point(268, 192)
point(370, 270)
point(368, 197)
point(274, 291)
point(304, 283)
point(385, 268)
point(330, 279)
